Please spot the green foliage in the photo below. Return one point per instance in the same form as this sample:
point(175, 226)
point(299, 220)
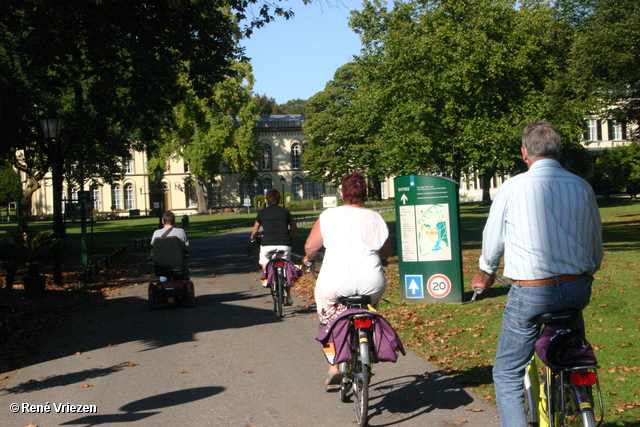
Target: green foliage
point(341, 139)
point(266, 106)
point(456, 80)
point(618, 170)
point(294, 106)
point(605, 57)
point(10, 188)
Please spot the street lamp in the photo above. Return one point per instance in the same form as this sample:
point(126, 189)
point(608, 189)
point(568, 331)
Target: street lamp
point(282, 181)
point(51, 131)
point(158, 174)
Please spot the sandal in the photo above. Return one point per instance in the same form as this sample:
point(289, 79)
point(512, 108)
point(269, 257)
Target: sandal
point(334, 379)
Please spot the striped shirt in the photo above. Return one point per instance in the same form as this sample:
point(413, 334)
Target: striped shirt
point(546, 223)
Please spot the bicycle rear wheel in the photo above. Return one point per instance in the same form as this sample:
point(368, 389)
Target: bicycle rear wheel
point(278, 293)
point(361, 392)
point(573, 405)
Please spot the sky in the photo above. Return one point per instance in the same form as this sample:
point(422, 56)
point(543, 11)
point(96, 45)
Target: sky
point(295, 58)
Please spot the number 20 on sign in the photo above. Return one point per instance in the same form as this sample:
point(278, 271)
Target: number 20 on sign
point(439, 286)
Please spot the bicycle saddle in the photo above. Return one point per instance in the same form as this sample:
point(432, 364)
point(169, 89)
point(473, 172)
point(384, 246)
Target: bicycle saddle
point(556, 317)
point(356, 299)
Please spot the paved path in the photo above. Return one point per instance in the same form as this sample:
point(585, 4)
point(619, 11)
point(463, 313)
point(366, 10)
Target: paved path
point(227, 362)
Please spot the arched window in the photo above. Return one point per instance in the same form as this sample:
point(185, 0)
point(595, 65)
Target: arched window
point(297, 188)
point(296, 156)
point(265, 162)
point(116, 197)
point(267, 184)
point(129, 201)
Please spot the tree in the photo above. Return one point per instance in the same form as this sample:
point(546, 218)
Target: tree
point(340, 141)
point(111, 70)
point(294, 106)
point(605, 57)
point(454, 82)
point(266, 106)
point(215, 132)
point(618, 170)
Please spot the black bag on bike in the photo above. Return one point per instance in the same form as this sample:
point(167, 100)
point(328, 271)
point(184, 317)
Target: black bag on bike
point(560, 347)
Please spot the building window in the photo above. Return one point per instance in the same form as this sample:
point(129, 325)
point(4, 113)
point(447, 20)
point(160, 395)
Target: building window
point(116, 197)
point(256, 189)
point(265, 162)
point(213, 195)
point(297, 189)
point(296, 156)
point(129, 202)
point(267, 184)
point(97, 203)
point(187, 167)
point(593, 130)
point(74, 193)
point(128, 166)
point(244, 190)
point(308, 188)
point(190, 194)
point(383, 190)
point(616, 131)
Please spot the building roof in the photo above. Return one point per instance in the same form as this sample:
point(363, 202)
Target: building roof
point(281, 121)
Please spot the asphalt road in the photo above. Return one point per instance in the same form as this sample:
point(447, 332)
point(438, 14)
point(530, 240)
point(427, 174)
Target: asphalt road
point(227, 362)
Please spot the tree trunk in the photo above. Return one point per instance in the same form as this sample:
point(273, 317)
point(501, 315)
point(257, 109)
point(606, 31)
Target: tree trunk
point(485, 182)
point(24, 204)
point(201, 199)
point(58, 221)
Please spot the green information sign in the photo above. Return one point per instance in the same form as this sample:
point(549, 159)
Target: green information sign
point(427, 223)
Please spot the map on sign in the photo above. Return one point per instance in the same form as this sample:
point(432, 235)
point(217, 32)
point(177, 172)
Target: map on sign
point(433, 232)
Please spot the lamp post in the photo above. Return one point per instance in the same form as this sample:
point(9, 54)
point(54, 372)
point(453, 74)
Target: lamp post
point(282, 181)
point(158, 174)
point(51, 130)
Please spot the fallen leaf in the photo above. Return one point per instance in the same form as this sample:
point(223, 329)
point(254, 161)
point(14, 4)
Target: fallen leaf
point(86, 385)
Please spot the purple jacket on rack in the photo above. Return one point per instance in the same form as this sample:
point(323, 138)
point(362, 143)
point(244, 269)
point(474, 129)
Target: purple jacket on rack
point(291, 273)
point(387, 344)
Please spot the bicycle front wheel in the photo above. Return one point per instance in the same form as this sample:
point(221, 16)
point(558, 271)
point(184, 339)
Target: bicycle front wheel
point(573, 405)
point(361, 392)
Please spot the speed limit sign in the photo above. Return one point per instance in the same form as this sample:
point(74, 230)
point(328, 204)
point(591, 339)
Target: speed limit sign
point(439, 286)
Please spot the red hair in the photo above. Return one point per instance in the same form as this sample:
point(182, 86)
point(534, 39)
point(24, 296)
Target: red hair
point(354, 189)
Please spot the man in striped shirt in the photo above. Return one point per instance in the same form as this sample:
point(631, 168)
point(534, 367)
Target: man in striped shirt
point(546, 224)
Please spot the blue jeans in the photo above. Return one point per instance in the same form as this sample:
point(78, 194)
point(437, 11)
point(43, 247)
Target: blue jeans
point(518, 336)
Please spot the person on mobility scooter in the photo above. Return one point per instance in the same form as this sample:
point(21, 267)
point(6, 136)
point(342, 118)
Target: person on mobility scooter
point(169, 258)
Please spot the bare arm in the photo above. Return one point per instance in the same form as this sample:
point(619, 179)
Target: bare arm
point(254, 232)
point(294, 228)
point(386, 250)
point(313, 243)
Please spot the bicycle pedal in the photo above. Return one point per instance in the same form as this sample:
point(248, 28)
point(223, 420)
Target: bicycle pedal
point(332, 387)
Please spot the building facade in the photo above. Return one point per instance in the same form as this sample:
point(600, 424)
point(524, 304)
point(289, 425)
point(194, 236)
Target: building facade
point(280, 167)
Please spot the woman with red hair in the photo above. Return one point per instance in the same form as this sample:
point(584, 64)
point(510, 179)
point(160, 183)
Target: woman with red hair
point(356, 241)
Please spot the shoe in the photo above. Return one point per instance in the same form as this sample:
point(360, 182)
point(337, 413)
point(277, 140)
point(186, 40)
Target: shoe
point(264, 283)
point(288, 301)
point(333, 382)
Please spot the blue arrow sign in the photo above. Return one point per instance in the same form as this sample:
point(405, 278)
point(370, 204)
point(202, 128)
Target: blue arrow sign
point(413, 286)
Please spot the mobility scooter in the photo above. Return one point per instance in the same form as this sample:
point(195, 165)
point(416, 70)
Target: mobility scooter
point(170, 264)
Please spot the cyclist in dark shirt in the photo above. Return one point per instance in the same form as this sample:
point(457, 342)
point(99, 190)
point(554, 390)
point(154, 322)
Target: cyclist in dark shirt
point(276, 222)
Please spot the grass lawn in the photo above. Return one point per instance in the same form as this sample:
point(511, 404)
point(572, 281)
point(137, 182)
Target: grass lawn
point(461, 339)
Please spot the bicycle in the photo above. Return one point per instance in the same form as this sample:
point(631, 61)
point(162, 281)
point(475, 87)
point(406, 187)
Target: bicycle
point(279, 288)
point(310, 267)
point(356, 372)
point(561, 394)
